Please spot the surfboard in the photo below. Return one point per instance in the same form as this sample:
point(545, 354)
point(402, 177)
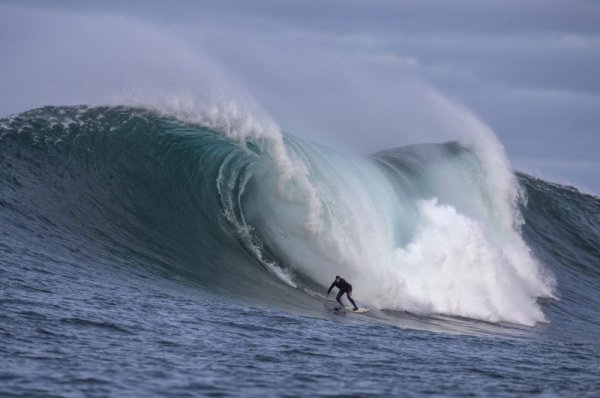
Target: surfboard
point(358, 311)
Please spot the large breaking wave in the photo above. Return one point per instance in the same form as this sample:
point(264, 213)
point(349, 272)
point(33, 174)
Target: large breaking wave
point(430, 229)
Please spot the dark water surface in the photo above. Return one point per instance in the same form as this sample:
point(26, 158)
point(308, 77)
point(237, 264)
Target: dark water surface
point(126, 335)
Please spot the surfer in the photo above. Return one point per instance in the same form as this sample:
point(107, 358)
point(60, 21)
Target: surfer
point(344, 287)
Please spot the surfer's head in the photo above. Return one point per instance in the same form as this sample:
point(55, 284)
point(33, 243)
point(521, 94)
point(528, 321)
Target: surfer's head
point(337, 277)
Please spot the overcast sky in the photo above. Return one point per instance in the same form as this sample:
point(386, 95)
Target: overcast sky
point(351, 74)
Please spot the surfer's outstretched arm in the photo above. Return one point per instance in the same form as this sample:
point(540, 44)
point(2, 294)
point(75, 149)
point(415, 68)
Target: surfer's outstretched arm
point(330, 287)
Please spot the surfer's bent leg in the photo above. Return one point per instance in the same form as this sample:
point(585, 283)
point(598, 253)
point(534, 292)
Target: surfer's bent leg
point(349, 295)
point(339, 296)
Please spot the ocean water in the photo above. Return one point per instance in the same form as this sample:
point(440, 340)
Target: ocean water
point(143, 254)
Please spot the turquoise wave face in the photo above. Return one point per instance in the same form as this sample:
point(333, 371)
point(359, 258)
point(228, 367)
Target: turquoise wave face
point(123, 182)
point(421, 228)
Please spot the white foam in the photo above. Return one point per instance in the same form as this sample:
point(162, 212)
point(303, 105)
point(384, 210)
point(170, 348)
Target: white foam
point(453, 267)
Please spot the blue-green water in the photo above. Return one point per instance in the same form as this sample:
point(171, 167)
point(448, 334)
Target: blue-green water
point(141, 255)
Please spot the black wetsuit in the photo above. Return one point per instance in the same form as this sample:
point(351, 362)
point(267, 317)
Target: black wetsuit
point(344, 287)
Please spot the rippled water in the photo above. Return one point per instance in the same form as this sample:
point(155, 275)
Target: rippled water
point(119, 333)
